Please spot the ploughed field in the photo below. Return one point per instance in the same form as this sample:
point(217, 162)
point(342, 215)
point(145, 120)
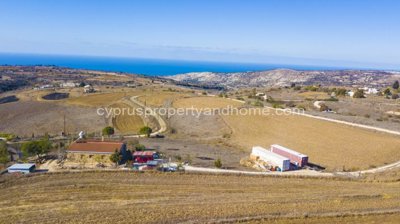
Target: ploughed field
point(334, 146)
point(125, 197)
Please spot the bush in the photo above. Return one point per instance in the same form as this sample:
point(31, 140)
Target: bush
point(311, 88)
point(146, 130)
point(258, 104)
point(108, 131)
point(115, 157)
point(277, 106)
point(297, 88)
point(340, 92)
point(359, 94)
point(7, 136)
point(140, 147)
point(218, 163)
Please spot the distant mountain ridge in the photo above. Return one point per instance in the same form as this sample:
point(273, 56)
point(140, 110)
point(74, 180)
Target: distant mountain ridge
point(285, 77)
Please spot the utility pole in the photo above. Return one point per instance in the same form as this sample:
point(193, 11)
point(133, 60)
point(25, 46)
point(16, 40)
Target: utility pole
point(65, 133)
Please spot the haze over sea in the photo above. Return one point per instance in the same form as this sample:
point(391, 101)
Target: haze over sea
point(151, 67)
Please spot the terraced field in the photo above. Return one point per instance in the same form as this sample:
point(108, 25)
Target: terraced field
point(127, 197)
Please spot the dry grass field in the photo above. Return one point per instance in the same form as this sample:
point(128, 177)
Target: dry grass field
point(205, 102)
point(97, 99)
point(25, 118)
point(331, 145)
point(127, 197)
point(314, 95)
point(160, 98)
point(127, 122)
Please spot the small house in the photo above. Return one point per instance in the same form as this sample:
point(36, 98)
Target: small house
point(92, 147)
point(144, 156)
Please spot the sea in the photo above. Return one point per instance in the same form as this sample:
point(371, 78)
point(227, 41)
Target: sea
point(149, 67)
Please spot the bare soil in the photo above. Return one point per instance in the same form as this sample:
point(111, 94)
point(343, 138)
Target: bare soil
point(31, 117)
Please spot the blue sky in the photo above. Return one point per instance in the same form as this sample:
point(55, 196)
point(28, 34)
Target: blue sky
point(334, 33)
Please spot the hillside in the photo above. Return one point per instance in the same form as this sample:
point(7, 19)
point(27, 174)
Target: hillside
point(285, 77)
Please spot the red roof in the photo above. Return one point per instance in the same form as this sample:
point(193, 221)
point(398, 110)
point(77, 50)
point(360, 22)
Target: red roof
point(95, 147)
point(144, 153)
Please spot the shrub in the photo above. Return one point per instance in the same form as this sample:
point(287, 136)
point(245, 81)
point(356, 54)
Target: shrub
point(7, 136)
point(140, 147)
point(359, 94)
point(311, 88)
point(341, 92)
point(108, 131)
point(146, 130)
point(218, 163)
point(115, 157)
point(277, 105)
point(258, 103)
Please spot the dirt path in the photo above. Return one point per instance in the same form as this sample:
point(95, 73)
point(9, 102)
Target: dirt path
point(160, 120)
point(308, 173)
point(338, 121)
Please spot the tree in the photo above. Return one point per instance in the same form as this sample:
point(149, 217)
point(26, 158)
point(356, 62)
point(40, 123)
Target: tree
point(4, 155)
point(218, 163)
point(359, 94)
point(129, 157)
point(37, 148)
point(396, 85)
point(108, 131)
point(387, 92)
point(115, 157)
point(146, 130)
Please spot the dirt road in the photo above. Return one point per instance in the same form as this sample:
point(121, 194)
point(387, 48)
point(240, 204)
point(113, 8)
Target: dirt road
point(309, 173)
point(160, 120)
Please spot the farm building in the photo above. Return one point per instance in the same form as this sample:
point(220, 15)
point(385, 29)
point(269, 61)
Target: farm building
point(144, 156)
point(296, 158)
point(90, 148)
point(271, 158)
point(22, 168)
